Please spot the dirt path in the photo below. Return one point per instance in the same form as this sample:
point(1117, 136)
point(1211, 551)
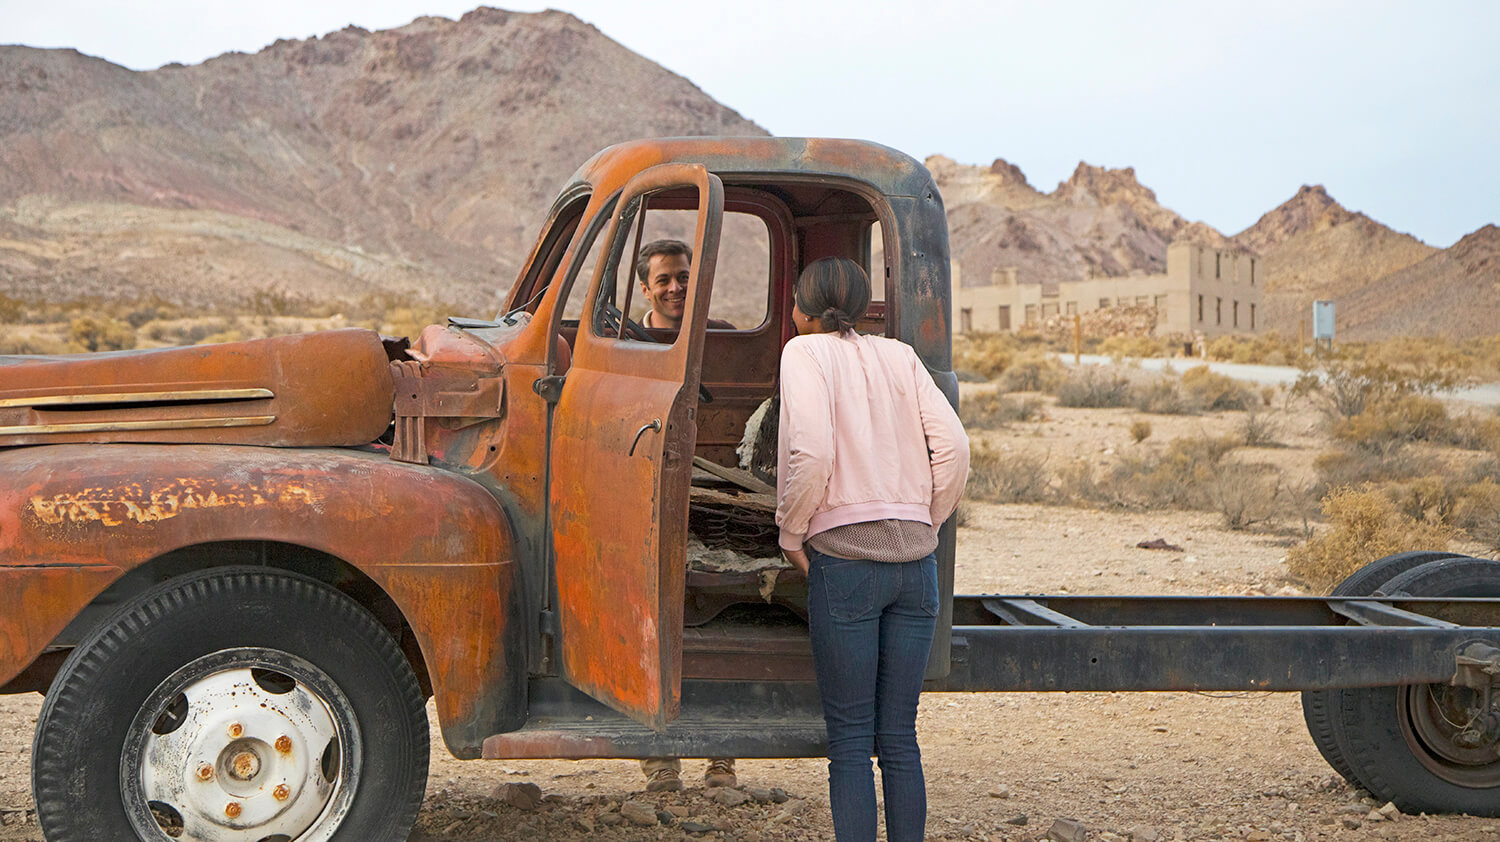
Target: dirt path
point(1168, 766)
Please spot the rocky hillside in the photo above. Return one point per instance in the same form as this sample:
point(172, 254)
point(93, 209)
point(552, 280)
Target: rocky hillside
point(1104, 222)
point(417, 161)
point(1454, 292)
point(1100, 221)
point(1312, 247)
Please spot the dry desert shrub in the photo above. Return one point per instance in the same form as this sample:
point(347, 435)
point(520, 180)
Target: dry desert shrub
point(985, 354)
point(1161, 396)
point(1357, 466)
point(1032, 372)
point(1246, 493)
point(1259, 429)
point(1344, 386)
point(1140, 430)
point(184, 331)
point(1189, 473)
point(1093, 388)
point(997, 476)
point(1393, 419)
point(100, 333)
point(1364, 526)
point(11, 309)
point(1213, 392)
point(1477, 513)
point(1475, 432)
point(1121, 347)
point(30, 344)
point(992, 410)
point(1175, 476)
point(1266, 349)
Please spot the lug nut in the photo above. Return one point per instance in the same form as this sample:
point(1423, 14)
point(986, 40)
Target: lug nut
point(281, 792)
point(205, 772)
point(283, 744)
point(236, 730)
point(232, 810)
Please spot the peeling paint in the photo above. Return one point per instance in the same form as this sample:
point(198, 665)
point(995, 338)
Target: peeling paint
point(134, 503)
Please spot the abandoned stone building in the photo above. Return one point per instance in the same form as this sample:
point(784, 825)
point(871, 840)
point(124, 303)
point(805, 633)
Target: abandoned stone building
point(1205, 291)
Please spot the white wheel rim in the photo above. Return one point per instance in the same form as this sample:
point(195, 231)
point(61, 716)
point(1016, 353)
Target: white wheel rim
point(243, 745)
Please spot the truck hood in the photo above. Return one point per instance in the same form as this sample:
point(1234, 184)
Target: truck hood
point(309, 390)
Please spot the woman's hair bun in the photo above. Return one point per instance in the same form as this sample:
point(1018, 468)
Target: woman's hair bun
point(835, 288)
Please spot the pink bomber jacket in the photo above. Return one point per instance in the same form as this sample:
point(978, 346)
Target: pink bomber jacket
point(865, 435)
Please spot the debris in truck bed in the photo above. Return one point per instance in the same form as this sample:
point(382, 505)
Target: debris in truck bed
point(724, 560)
point(757, 450)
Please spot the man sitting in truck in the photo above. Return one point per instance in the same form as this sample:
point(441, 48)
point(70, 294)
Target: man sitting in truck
point(664, 267)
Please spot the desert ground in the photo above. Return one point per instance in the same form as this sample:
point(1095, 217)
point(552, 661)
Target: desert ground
point(1142, 766)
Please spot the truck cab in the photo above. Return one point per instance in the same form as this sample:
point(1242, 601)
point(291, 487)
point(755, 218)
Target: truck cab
point(552, 521)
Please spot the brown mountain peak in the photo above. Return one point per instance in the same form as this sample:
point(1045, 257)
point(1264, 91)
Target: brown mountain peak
point(1478, 250)
point(1091, 185)
point(1311, 209)
point(1009, 173)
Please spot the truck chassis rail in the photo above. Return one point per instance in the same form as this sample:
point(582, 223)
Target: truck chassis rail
point(1109, 643)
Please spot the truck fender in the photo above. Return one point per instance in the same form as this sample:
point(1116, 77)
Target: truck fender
point(76, 518)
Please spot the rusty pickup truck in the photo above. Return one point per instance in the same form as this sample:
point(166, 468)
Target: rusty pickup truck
point(238, 572)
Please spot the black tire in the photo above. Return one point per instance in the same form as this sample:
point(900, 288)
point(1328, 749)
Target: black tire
point(128, 740)
point(1399, 741)
point(1318, 705)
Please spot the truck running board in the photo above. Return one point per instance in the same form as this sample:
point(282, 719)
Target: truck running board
point(718, 719)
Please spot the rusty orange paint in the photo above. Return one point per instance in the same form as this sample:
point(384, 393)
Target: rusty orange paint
point(38, 601)
point(436, 542)
point(328, 388)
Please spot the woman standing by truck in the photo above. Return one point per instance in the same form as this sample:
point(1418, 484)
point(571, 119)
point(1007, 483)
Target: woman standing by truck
point(872, 460)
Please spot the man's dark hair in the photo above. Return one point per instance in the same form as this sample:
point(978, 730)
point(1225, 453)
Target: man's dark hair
point(834, 290)
point(670, 248)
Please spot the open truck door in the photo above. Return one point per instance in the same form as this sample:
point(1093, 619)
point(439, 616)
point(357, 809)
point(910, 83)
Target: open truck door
point(623, 435)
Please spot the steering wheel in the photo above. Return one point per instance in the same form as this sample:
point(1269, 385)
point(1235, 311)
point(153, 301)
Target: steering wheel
point(615, 319)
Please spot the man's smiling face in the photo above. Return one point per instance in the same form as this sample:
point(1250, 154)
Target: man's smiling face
point(665, 288)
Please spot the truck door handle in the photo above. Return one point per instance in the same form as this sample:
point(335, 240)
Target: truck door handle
point(654, 425)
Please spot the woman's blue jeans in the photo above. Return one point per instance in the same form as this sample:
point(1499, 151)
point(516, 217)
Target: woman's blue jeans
point(872, 624)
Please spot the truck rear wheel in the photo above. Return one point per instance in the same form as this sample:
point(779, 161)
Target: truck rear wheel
point(1317, 705)
point(1403, 743)
point(234, 704)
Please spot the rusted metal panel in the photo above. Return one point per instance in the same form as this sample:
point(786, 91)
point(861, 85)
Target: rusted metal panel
point(327, 388)
point(619, 517)
point(436, 542)
point(36, 602)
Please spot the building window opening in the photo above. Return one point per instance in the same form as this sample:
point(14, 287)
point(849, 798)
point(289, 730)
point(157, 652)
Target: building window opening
point(966, 320)
point(1071, 308)
point(1218, 258)
point(1236, 311)
point(1219, 311)
point(1200, 309)
point(1030, 315)
point(1004, 320)
point(1252, 317)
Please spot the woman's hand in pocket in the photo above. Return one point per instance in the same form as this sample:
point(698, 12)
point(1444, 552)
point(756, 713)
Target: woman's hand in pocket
point(798, 558)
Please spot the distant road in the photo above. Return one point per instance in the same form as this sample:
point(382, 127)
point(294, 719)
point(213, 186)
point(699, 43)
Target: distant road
point(1487, 394)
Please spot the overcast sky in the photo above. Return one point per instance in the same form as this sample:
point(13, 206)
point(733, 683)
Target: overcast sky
point(1223, 108)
